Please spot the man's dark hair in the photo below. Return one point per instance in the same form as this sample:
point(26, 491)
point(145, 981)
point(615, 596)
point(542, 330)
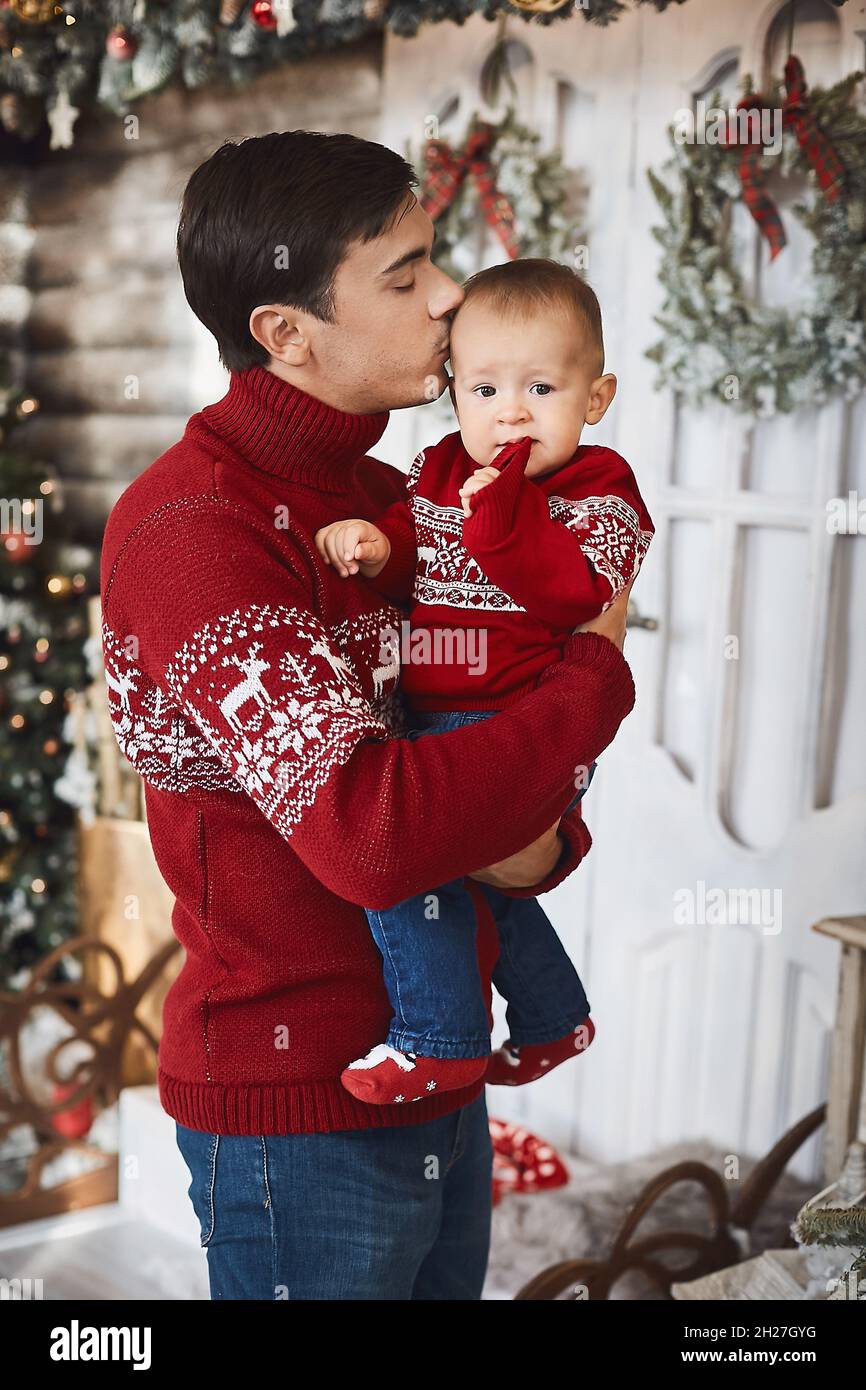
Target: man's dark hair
point(270, 219)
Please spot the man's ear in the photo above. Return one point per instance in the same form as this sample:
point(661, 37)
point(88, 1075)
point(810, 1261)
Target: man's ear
point(281, 334)
point(601, 393)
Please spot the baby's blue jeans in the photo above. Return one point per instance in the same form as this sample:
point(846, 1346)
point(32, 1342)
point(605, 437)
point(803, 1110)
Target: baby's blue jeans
point(429, 955)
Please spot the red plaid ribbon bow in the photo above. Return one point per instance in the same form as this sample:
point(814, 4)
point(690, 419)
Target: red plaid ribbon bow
point(798, 116)
point(447, 168)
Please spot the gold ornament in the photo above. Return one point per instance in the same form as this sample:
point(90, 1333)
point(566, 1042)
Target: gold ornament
point(230, 11)
point(539, 6)
point(10, 112)
point(34, 11)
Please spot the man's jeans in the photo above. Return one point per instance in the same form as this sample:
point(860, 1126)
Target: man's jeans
point(430, 963)
point(396, 1213)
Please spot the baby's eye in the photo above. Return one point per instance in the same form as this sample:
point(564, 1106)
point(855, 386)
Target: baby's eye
point(544, 385)
point(484, 388)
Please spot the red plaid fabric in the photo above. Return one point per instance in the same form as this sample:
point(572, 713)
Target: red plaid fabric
point(755, 195)
point(447, 169)
point(798, 116)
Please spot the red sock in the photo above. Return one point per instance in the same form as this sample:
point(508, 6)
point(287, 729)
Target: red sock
point(388, 1077)
point(514, 1066)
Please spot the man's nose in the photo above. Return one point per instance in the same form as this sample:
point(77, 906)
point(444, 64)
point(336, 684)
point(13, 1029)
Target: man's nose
point(446, 298)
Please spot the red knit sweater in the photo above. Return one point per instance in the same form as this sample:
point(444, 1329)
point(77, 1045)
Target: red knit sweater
point(246, 686)
point(497, 593)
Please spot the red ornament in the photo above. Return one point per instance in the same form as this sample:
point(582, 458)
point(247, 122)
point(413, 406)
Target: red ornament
point(262, 13)
point(121, 45)
point(15, 547)
point(75, 1122)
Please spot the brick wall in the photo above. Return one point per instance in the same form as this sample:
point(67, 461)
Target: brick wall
point(114, 354)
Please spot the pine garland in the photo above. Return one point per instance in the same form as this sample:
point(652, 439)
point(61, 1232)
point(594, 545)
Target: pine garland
point(717, 344)
point(405, 17)
point(832, 1226)
point(117, 51)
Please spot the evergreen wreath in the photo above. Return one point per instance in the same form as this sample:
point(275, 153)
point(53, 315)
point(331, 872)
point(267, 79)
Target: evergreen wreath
point(713, 334)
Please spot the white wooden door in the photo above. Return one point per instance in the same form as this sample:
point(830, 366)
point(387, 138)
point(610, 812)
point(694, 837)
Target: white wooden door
point(735, 794)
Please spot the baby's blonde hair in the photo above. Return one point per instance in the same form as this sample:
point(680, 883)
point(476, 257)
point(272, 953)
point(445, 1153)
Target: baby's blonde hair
point(525, 286)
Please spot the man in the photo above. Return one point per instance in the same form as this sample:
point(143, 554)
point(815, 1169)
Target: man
point(248, 686)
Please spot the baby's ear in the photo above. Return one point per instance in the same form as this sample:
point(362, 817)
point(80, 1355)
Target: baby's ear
point(601, 393)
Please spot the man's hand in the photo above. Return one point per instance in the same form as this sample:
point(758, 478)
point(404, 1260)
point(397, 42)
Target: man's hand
point(611, 623)
point(527, 866)
point(353, 545)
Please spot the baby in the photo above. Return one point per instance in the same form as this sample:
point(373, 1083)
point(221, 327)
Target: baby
point(512, 535)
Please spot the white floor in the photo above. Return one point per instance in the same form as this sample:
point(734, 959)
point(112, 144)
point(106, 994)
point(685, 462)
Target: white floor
point(146, 1246)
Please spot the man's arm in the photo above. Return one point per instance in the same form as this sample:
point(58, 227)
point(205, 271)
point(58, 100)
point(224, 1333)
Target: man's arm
point(553, 857)
point(219, 605)
point(543, 864)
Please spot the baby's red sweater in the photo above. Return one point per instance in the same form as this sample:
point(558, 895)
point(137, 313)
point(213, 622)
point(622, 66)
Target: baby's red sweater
point(536, 558)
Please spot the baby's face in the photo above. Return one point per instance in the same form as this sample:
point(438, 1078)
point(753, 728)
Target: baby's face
point(519, 378)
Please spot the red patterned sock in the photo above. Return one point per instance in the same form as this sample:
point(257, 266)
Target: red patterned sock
point(388, 1077)
point(514, 1066)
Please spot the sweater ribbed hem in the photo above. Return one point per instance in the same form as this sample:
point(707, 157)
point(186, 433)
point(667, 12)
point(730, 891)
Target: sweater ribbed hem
point(316, 1107)
point(492, 508)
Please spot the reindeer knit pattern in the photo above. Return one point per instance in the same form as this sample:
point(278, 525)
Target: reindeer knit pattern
point(251, 689)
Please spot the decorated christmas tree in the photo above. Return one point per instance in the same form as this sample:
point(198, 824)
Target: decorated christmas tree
point(44, 584)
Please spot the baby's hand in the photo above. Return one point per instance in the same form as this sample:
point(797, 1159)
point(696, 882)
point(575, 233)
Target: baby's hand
point(353, 545)
point(482, 477)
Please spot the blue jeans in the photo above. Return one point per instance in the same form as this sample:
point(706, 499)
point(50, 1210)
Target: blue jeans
point(430, 963)
point(396, 1213)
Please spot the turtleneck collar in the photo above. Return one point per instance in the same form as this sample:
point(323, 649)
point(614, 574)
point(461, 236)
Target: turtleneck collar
point(282, 430)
